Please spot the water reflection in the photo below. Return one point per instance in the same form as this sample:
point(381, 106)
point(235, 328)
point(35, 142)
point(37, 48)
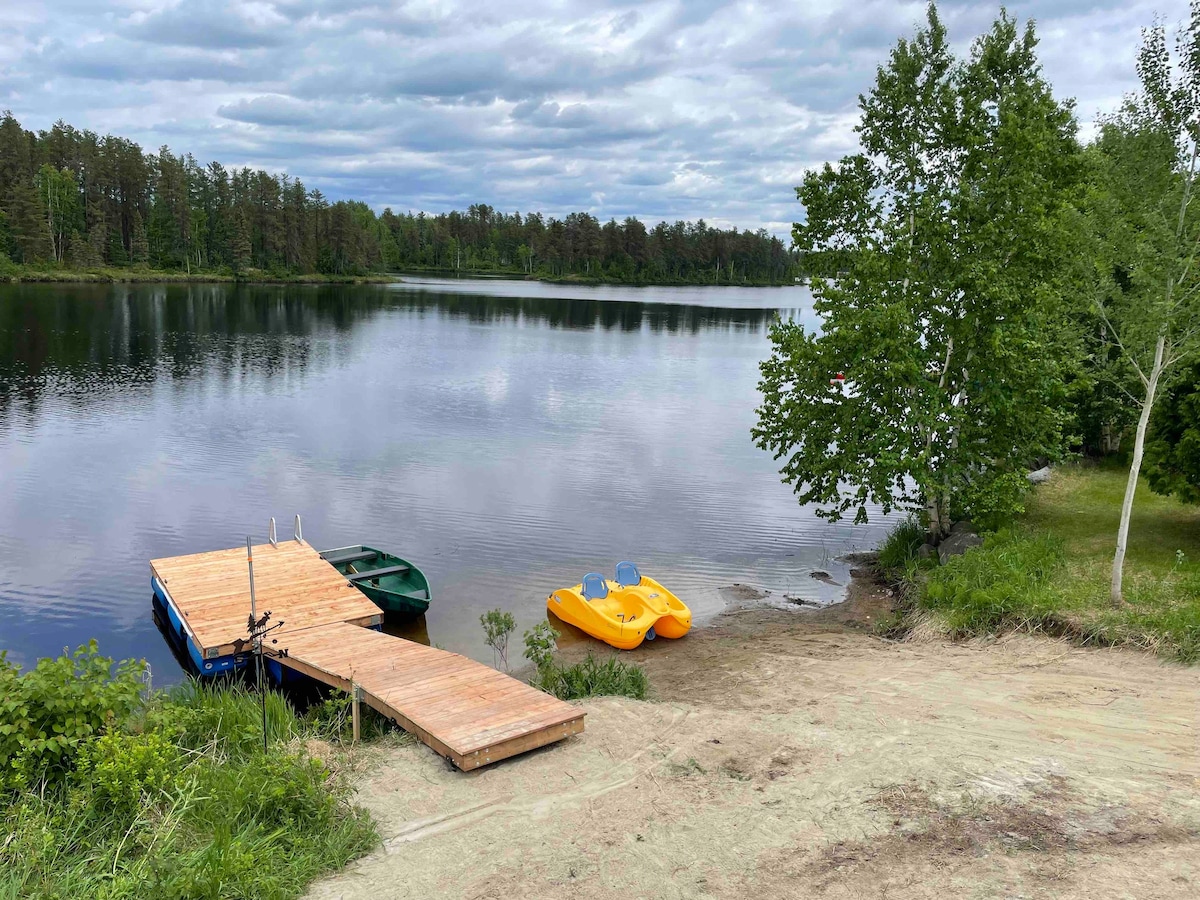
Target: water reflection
point(96, 337)
point(508, 443)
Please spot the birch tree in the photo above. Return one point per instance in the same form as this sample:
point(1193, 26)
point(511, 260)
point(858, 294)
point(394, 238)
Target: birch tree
point(943, 310)
point(59, 195)
point(1149, 299)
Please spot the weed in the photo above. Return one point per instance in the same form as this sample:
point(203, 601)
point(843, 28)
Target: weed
point(900, 546)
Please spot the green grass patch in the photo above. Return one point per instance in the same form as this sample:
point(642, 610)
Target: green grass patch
point(1051, 570)
point(167, 796)
point(900, 546)
point(608, 677)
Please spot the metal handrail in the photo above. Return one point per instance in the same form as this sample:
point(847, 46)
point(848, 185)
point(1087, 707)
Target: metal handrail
point(271, 536)
point(299, 535)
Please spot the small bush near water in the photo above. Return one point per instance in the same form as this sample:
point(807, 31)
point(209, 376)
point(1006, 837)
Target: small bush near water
point(105, 793)
point(610, 677)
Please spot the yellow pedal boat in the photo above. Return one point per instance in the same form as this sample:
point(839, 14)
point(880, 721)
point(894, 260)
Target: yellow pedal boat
point(624, 612)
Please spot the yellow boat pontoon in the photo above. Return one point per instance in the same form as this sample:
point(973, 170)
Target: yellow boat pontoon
point(625, 612)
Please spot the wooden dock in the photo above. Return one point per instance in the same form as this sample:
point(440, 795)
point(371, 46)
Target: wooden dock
point(466, 711)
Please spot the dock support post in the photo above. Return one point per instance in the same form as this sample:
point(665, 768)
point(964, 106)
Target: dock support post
point(355, 697)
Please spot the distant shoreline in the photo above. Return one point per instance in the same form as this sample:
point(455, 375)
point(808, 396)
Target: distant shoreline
point(18, 274)
point(584, 280)
point(24, 275)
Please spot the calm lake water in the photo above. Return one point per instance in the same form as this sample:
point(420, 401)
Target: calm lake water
point(506, 436)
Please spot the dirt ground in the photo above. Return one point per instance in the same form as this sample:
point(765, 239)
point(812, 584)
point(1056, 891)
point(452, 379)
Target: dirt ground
point(792, 754)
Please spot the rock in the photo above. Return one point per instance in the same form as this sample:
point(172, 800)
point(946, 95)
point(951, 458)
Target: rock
point(962, 526)
point(1039, 476)
point(824, 577)
point(957, 544)
point(926, 551)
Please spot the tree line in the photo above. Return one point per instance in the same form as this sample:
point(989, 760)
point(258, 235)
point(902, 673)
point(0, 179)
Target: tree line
point(995, 293)
point(74, 199)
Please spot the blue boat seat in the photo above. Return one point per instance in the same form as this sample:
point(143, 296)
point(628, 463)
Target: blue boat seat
point(594, 586)
point(628, 574)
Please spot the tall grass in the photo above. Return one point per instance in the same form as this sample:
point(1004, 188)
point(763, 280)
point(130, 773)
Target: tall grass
point(182, 802)
point(1004, 583)
point(610, 677)
point(900, 546)
point(1050, 570)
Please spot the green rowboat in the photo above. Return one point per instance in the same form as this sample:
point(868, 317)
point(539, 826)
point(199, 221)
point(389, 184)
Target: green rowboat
point(394, 585)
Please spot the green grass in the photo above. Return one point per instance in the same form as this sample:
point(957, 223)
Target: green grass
point(1050, 571)
point(609, 677)
point(182, 802)
point(900, 546)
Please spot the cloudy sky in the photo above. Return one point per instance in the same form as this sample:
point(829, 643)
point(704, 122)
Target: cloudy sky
point(662, 109)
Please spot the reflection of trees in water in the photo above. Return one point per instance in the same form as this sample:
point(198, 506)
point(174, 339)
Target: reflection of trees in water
point(81, 341)
point(564, 313)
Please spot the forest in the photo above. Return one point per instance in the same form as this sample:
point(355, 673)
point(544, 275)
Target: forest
point(74, 200)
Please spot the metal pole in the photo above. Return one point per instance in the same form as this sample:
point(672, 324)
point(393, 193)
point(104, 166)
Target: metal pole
point(256, 642)
point(250, 563)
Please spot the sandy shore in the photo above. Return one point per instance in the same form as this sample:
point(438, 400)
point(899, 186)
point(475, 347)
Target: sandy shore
point(792, 754)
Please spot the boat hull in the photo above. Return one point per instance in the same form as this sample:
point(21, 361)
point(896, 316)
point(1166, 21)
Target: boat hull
point(401, 591)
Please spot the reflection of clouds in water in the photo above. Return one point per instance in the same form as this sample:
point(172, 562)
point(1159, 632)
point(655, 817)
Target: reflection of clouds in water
point(495, 386)
point(508, 444)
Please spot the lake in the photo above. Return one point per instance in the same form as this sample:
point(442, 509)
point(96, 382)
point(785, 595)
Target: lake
point(506, 436)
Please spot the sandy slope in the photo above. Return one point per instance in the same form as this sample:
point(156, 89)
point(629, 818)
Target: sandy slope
point(792, 755)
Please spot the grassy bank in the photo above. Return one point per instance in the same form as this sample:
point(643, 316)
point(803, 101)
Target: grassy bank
point(1050, 571)
point(17, 274)
point(105, 792)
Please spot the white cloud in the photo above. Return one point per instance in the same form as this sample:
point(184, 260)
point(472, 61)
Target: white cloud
point(663, 109)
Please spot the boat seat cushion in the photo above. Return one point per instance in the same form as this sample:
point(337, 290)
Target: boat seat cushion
point(628, 574)
point(379, 573)
point(594, 586)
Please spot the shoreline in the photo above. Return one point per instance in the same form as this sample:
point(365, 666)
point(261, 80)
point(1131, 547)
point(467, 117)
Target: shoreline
point(153, 276)
point(795, 753)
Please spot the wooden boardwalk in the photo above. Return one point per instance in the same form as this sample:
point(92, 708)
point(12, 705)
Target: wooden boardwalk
point(466, 711)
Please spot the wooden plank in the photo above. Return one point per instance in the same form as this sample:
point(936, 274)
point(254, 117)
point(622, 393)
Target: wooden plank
point(212, 592)
point(464, 710)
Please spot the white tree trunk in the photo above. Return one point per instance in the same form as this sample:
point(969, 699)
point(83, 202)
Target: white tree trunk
point(1135, 467)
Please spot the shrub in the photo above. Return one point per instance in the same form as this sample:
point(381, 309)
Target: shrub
point(540, 644)
point(497, 626)
point(121, 770)
point(180, 803)
point(47, 712)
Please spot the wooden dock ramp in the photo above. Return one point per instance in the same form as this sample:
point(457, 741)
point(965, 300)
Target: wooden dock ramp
point(466, 711)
